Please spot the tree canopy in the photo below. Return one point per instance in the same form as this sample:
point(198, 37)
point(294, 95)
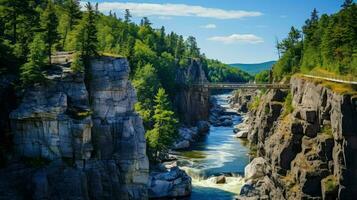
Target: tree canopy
point(327, 41)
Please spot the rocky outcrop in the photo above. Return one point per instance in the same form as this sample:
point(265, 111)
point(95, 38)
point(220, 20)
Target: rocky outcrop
point(311, 151)
point(192, 103)
point(219, 116)
point(73, 142)
point(53, 121)
point(241, 99)
point(118, 132)
point(174, 183)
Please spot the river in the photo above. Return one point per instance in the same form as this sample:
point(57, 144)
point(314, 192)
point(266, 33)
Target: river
point(216, 154)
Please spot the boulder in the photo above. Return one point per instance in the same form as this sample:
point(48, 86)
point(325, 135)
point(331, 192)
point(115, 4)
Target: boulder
point(171, 184)
point(203, 127)
point(221, 179)
point(227, 122)
point(242, 134)
point(256, 169)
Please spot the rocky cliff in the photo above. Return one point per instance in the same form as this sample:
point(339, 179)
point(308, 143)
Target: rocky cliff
point(192, 103)
point(305, 142)
point(78, 142)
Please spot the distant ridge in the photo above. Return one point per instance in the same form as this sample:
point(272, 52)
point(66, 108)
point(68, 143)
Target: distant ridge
point(255, 67)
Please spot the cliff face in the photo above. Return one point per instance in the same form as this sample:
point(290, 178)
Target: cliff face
point(309, 153)
point(74, 143)
point(192, 103)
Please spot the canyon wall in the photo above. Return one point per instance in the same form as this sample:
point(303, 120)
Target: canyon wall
point(305, 143)
point(78, 142)
point(192, 103)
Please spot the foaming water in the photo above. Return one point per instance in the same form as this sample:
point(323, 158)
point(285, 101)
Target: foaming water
point(219, 153)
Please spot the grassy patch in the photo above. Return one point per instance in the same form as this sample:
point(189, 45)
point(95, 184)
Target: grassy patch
point(330, 183)
point(327, 131)
point(253, 150)
point(288, 105)
point(255, 103)
point(339, 88)
point(79, 114)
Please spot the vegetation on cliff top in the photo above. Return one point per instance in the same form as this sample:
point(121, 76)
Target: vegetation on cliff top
point(327, 42)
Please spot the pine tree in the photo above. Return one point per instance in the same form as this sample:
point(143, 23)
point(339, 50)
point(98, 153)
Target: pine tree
point(31, 72)
point(86, 36)
point(49, 23)
point(193, 50)
point(72, 14)
point(127, 16)
point(164, 133)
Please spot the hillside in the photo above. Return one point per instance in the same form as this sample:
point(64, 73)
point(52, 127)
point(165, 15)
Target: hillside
point(255, 67)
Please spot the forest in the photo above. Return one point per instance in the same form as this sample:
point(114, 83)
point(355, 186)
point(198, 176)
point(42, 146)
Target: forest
point(325, 43)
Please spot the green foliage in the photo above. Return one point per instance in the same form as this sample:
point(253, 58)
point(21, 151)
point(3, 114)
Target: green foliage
point(31, 72)
point(77, 64)
point(330, 183)
point(146, 84)
point(262, 77)
point(164, 133)
point(86, 40)
point(288, 107)
point(255, 103)
point(49, 23)
point(219, 72)
point(329, 43)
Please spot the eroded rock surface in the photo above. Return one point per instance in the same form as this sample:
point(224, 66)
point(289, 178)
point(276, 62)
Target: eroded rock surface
point(78, 142)
point(311, 151)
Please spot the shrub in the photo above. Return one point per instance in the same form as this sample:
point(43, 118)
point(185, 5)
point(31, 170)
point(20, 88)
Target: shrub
point(288, 106)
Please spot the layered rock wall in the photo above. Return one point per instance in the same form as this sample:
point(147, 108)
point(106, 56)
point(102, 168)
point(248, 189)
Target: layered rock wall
point(73, 142)
point(311, 152)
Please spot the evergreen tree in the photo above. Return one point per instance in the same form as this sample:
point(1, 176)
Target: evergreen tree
point(31, 72)
point(127, 16)
point(86, 36)
point(192, 48)
point(49, 23)
point(71, 16)
point(146, 84)
point(164, 133)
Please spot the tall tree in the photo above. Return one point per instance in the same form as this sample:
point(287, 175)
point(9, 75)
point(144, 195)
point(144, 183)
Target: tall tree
point(193, 50)
point(86, 36)
point(49, 23)
point(164, 133)
point(31, 72)
point(73, 15)
point(127, 16)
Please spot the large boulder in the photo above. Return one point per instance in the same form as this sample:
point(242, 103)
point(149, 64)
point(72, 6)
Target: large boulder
point(171, 184)
point(256, 169)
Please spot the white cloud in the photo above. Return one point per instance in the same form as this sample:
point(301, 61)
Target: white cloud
point(152, 9)
point(164, 17)
point(283, 16)
point(209, 26)
point(238, 38)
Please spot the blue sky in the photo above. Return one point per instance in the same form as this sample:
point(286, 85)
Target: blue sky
point(222, 30)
